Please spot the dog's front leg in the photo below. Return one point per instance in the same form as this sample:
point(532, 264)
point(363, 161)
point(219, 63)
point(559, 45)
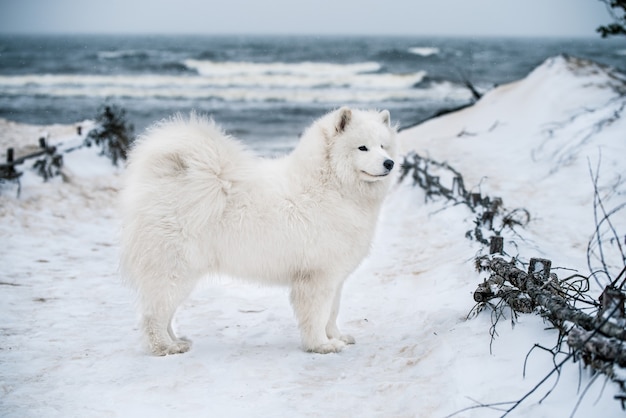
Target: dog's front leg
point(332, 331)
point(313, 300)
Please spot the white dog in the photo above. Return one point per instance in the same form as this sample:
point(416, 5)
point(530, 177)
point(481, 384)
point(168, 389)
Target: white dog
point(196, 202)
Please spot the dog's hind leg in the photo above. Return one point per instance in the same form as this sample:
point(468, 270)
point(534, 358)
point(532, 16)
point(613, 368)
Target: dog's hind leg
point(158, 311)
point(312, 300)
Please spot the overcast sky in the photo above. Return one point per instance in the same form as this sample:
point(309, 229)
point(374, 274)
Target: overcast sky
point(374, 17)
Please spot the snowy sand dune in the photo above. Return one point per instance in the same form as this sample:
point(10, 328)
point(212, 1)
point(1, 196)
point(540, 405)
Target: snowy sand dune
point(69, 343)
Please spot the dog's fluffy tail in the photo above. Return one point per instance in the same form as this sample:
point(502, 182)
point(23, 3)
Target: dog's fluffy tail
point(177, 182)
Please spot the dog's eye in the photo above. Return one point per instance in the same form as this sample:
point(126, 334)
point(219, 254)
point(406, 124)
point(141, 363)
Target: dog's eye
point(362, 148)
point(382, 146)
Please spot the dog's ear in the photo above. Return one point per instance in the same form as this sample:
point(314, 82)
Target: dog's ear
point(386, 117)
point(344, 115)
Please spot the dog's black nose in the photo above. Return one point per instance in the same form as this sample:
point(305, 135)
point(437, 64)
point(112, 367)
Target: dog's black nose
point(388, 164)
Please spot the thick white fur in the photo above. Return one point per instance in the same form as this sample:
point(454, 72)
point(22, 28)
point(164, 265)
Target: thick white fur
point(197, 203)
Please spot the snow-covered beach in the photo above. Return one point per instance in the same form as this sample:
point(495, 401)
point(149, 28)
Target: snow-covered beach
point(69, 341)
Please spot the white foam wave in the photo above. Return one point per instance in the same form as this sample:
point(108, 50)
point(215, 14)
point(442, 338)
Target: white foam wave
point(620, 52)
point(214, 68)
point(123, 53)
point(243, 87)
point(319, 80)
point(424, 51)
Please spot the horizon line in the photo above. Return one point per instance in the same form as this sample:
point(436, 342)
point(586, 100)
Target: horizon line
point(321, 35)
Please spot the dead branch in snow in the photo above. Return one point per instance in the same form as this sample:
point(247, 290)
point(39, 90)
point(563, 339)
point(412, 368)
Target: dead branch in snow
point(491, 216)
point(541, 290)
point(598, 338)
point(598, 243)
point(596, 332)
point(604, 116)
point(465, 80)
point(112, 133)
point(594, 329)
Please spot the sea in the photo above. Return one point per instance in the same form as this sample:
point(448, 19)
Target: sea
point(264, 89)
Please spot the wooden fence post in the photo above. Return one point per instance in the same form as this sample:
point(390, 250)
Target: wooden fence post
point(487, 219)
point(540, 266)
point(475, 199)
point(496, 245)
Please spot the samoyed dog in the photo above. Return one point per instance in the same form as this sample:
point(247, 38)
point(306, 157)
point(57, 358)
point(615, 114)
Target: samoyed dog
point(196, 202)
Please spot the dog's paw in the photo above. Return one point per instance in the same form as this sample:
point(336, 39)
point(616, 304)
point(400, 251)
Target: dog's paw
point(348, 339)
point(334, 333)
point(332, 346)
point(176, 347)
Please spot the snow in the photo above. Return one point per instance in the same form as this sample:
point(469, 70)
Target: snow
point(70, 345)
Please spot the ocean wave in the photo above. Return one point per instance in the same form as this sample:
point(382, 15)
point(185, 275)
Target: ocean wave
point(301, 75)
point(123, 53)
point(216, 68)
point(424, 51)
point(253, 80)
point(253, 86)
point(360, 81)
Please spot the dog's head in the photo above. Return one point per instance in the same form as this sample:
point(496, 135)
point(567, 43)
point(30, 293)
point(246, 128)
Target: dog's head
point(362, 145)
